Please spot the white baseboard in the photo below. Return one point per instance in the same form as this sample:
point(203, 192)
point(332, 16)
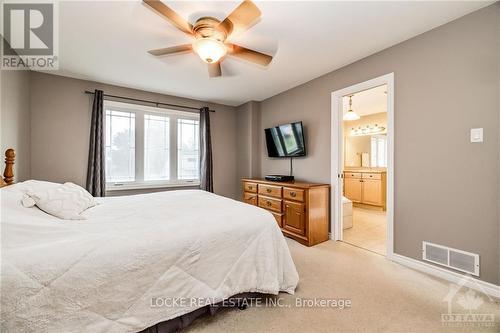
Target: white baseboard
point(473, 283)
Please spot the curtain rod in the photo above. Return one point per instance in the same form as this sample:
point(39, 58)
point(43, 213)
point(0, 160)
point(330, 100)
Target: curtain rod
point(147, 101)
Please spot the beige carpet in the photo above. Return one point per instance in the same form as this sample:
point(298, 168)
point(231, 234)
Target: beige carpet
point(369, 229)
point(386, 297)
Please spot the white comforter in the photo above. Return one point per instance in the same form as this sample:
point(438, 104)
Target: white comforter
point(103, 274)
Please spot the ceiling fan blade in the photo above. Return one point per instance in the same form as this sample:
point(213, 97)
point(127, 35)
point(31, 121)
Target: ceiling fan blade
point(249, 55)
point(170, 15)
point(242, 17)
point(171, 50)
point(214, 69)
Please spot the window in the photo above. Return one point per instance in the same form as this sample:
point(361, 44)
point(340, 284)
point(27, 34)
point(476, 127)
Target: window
point(188, 148)
point(120, 146)
point(378, 151)
point(156, 147)
point(150, 147)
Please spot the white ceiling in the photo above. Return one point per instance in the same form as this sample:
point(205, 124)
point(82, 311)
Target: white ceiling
point(368, 101)
point(107, 42)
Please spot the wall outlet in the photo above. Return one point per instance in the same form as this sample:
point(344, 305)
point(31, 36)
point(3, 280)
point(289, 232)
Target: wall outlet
point(476, 135)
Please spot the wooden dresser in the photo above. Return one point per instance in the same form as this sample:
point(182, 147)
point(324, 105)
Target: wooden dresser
point(366, 187)
point(300, 209)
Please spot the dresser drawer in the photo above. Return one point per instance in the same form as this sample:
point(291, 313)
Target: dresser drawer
point(270, 190)
point(250, 198)
point(352, 174)
point(270, 203)
point(250, 187)
point(279, 218)
point(293, 194)
point(372, 176)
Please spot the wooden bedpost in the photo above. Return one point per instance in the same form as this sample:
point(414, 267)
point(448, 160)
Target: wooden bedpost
point(8, 174)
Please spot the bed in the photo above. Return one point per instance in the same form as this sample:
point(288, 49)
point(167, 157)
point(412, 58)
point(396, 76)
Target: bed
point(135, 261)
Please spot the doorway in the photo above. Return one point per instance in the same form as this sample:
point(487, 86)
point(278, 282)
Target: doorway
point(362, 165)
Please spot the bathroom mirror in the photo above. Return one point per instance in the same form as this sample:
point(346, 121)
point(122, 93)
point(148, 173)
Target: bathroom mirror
point(369, 151)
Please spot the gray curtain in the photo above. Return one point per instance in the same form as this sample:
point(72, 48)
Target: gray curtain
point(95, 170)
point(206, 166)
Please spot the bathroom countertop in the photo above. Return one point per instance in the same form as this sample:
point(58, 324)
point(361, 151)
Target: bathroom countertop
point(365, 170)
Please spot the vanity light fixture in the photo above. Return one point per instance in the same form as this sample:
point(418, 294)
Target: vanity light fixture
point(368, 130)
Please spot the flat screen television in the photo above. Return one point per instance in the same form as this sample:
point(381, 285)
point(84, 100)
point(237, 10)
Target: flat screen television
point(286, 140)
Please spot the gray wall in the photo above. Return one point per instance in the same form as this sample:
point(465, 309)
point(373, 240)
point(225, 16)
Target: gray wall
point(247, 141)
point(446, 82)
point(60, 125)
point(15, 120)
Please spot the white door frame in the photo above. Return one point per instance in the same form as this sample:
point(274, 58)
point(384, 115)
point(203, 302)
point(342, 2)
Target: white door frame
point(337, 158)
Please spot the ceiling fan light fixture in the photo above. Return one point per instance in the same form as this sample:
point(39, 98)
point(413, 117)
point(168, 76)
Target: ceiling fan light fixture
point(210, 50)
point(211, 34)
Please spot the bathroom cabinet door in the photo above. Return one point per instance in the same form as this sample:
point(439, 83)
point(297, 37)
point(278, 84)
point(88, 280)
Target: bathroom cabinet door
point(372, 192)
point(353, 189)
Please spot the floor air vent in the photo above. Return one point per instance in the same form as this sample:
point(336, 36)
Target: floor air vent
point(452, 258)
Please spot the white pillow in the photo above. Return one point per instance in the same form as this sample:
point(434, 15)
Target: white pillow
point(34, 185)
point(66, 201)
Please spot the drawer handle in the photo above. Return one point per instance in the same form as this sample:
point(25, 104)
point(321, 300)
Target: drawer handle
point(269, 203)
point(293, 194)
point(268, 190)
point(250, 187)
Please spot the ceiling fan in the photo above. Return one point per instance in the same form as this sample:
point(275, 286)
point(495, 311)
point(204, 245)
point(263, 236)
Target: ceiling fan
point(210, 35)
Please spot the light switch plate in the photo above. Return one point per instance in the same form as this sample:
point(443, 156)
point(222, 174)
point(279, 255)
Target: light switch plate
point(476, 135)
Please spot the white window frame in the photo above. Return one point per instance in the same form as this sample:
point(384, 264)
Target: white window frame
point(140, 111)
point(375, 156)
